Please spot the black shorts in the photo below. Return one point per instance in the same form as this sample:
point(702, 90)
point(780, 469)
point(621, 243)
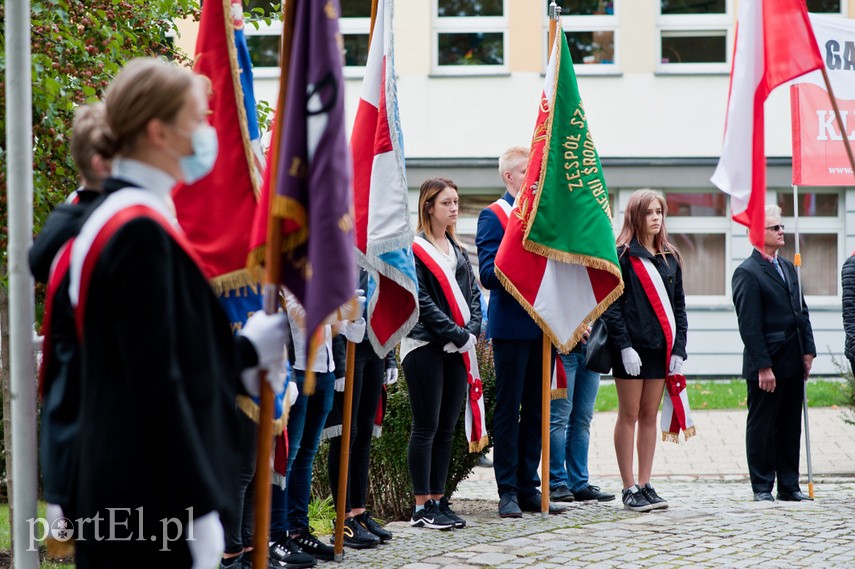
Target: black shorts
point(653, 364)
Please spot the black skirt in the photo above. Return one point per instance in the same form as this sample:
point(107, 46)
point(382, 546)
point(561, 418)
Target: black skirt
point(653, 364)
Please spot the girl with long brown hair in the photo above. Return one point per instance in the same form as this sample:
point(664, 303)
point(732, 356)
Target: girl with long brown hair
point(435, 353)
point(647, 328)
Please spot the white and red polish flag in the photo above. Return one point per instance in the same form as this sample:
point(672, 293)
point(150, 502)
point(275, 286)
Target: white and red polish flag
point(384, 236)
point(774, 44)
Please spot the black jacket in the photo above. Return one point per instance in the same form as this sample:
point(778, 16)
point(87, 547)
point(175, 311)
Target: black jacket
point(435, 322)
point(630, 319)
point(848, 279)
point(773, 321)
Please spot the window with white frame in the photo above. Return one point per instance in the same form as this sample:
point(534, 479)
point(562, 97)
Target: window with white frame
point(694, 36)
point(699, 225)
point(263, 38)
point(470, 37)
point(820, 236)
point(591, 27)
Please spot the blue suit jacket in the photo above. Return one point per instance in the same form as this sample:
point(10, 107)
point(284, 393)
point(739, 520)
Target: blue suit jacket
point(506, 318)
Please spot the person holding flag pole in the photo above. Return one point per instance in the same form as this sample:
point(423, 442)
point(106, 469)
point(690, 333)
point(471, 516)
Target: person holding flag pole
point(544, 275)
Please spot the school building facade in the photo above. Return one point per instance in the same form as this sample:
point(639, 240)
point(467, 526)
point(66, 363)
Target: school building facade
point(653, 76)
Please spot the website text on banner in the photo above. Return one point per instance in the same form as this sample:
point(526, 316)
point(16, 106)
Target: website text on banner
point(819, 156)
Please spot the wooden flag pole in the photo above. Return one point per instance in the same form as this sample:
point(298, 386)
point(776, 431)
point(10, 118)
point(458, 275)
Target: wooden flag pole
point(546, 372)
point(344, 455)
point(347, 411)
point(839, 119)
point(272, 272)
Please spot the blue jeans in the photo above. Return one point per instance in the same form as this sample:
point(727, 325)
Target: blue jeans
point(570, 425)
point(290, 507)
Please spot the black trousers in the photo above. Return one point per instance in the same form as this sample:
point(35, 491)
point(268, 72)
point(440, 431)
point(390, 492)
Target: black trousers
point(239, 534)
point(368, 376)
point(436, 382)
point(516, 419)
point(773, 435)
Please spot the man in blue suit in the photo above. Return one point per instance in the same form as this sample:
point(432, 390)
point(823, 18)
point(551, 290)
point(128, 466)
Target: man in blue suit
point(517, 345)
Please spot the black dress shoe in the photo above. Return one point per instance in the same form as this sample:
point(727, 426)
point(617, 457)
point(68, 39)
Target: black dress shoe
point(509, 506)
point(796, 496)
point(763, 497)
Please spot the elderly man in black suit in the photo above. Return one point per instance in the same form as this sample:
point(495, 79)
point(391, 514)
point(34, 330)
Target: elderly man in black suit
point(779, 351)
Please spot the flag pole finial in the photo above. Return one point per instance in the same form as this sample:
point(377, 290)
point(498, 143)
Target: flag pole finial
point(554, 10)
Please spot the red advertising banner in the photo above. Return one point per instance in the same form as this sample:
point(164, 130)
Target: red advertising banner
point(819, 157)
point(819, 154)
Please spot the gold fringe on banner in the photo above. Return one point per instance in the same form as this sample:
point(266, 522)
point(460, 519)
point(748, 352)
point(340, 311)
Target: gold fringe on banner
point(560, 393)
point(228, 283)
point(250, 409)
point(478, 446)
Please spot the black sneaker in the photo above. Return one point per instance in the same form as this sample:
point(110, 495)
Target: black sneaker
point(655, 500)
point(356, 536)
point(306, 540)
point(532, 504)
point(561, 494)
point(633, 499)
point(236, 562)
point(445, 508)
point(589, 493)
point(371, 525)
point(288, 554)
point(431, 517)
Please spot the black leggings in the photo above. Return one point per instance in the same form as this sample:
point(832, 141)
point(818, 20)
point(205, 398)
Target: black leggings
point(436, 382)
point(368, 377)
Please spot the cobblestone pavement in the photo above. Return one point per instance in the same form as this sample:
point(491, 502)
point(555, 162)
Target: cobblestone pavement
point(712, 520)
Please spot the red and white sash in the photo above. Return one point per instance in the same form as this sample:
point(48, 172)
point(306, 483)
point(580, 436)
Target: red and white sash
point(58, 271)
point(676, 414)
point(559, 380)
point(502, 209)
point(119, 208)
point(476, 424)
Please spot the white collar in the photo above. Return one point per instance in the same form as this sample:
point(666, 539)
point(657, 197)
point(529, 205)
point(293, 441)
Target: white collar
point(145, 176)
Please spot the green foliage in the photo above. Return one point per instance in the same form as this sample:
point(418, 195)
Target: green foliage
point(730, 394)
point(389, 488)
point(322, 515)
point(77, 47)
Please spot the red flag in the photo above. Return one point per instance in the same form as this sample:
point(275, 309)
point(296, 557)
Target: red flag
point(774, 43)
point(216, 212)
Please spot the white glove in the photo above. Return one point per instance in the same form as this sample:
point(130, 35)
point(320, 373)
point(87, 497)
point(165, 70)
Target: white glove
point(292, 394)
point(631, 361)
point(470, 343)
point(268, 333)
point(354, 331)
point(449, 348)
point(360, 299)
point(206, 541)
point(392, 375)
point(276, 378)
point(676, 365)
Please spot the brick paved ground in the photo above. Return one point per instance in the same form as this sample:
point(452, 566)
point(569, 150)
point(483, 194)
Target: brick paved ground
point(712, 521)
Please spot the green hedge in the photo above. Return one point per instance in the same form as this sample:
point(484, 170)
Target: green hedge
point(389, 489)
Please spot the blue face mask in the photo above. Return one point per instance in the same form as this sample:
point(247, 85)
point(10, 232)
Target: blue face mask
point(201, 162)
